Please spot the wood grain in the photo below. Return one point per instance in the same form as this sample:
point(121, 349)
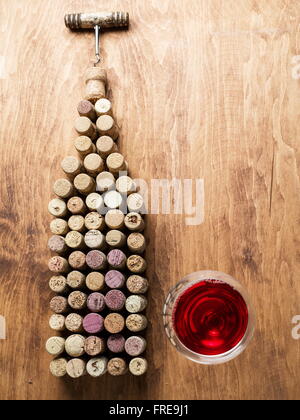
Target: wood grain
point(209, 86)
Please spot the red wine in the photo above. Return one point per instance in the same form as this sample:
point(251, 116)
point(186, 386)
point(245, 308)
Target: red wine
point(210, 317)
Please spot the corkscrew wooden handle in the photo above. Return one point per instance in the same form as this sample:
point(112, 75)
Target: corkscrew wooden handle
point(106, 20)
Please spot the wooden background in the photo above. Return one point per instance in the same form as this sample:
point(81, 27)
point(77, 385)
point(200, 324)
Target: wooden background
point(201, 89)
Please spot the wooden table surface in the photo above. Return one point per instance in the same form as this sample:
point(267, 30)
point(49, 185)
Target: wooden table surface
point(201, 89)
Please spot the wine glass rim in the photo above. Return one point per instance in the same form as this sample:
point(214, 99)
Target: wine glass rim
point(198, 277)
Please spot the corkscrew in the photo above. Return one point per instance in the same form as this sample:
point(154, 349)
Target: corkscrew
point(98, 21)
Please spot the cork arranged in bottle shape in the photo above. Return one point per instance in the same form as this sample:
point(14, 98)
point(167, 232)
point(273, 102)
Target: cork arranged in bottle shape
point(97, 264)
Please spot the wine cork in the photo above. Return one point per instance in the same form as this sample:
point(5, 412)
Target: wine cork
point(95, 84)
point(57, 322)
point(86, 109)
point(94, 202)
point(94, 221)
point(103, 107)
point(63, 188)
point(114, 323)
point(135, 345)
point(58, 367)
point(58, 284)
point(134, 222)
point(96, 260)
point(136, 322)
point(76, 205)
point(114, 279)
point(94, 239)
point(85, 127)
point(76, 223)
point(116, 163)
point(105, 146)
point(115, 300)
point(138, 366)
point(93, 323)
point(71, 166)
point(75, 279)
point(58, 265)
point(113, 199)
point(77, 300)
point(136, 264)
point(55, 346)
point(95, 281)
point(97, 367)
point(137, 284)
point(114, 219)
point(76, 368)
point(57, 244)
point(93, 164)
point(74, 345)
point(59, 305)
point(117, 367)
point(73, 323)
point(96, 302)
point(116, 343)
point(74, 239)
point(84, 183)
point(115, 238)
point(125, 185)
point(107, 127)
point(136, 303)
point(84, 145)
point(57, 207)
point(94, 345)
point(59, 227)
point(135, 203)
point(116, 259)
point(105, 181)
point(136, 243)
point(77, 260)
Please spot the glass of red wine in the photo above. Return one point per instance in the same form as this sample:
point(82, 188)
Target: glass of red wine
point(208, 317)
